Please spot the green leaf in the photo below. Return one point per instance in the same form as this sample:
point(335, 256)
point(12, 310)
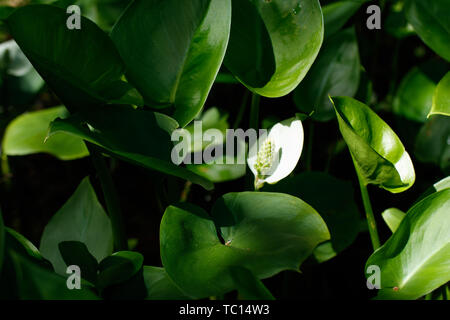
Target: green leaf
point(274, 43)
point(393, 217)
point(415, 259)
point(198, 262)
point(81, 66)
point(379, 156)
point(414, 96)
point(137, 136)
point(220, 172)
point(431, 145)
point(249, 287)
point(334, 201)
point(336, 14)
point(335, 72)
point(173, 50)
point(76, 253)
point(37, 283)
point(118, 268)
point(396, 23)
point(159, 285)
point(210, 119)
point(441, 98)
point(82, 219)
point(26, 135)
point(430, 21)
point(17, 242)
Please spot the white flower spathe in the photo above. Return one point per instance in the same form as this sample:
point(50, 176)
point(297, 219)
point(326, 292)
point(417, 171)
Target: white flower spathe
point(276, 155)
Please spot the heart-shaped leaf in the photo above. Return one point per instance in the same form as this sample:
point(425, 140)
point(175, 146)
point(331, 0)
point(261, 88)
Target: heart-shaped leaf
point(393, 217)
point(430, 21)
point(334, 201)
point(415, 259)
point(82, 66)
point(274, 43)
point(335, 72)
point(378, 154)
point(198, 262)
point(82, 219)
point(137, 136)
point(159, 285)
point(441, 98)
point(173, 50)
point(26, 135)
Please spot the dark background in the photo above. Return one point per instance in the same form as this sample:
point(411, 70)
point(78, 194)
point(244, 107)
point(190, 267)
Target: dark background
point(40, 184)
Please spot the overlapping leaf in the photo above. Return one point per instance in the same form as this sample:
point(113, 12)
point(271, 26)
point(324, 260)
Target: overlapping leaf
point(173, 50)
point(416, 259)
point(199, 263)
point(379, 156)
point(274, 43)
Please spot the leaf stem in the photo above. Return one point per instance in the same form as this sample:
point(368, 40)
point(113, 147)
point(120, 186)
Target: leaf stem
point(369, 213)
point(242, 108)
point(111, 198)
point(254, 111)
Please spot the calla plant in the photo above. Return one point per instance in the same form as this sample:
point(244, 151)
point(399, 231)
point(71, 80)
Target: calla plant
point(276, 155)
point(115, 98)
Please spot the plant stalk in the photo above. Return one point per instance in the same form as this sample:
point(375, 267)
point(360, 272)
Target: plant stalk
point(369, 213)
point(111, 198)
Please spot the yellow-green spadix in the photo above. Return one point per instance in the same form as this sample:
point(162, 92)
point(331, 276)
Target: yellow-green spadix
point(276, 154)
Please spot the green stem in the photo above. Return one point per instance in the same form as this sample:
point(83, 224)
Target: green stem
point(111, 198)
point(242, 108)
point(369, 214)
point(254, 111)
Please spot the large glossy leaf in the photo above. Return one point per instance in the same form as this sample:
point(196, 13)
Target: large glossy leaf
point(137, 136)
point(441, 98)
point(274, 43)
point(173, 50)
point(335, 72)
point(432, 145)
point(81, 219)
point(82, 66)
point(379, 156)
point(198, 262)
point(416, 259)
point(430, 21)
point(159, 285)
point(414, 96)
point(334, 201)
point(220, 172)
point(26, 135)
point(336, 14)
